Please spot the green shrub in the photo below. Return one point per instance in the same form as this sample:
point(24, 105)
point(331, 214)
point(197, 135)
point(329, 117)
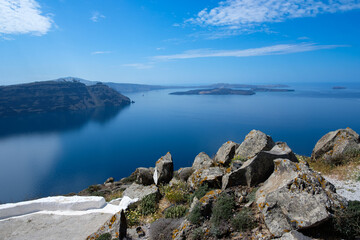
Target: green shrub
point(133, 217)
point(195, 216)
point(243, 220)
point(251, 196)
point(105, 236)
point(222, 209)
point(148, 205)
point(200, 192)
point(196, 234)
point(238, 157)
point(93, 188)
point(175, 211)
point(347, 221)
point(177, 193)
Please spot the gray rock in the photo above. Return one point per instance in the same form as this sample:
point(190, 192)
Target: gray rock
point(210, 176)
point(336, 143)
point(255, 142)
point(226, 153)
point(295, 197)
point(294, 235)
point(116, 226)
point(140, 191)
point(185, 173)
point(259, 168)
point(202, 160)
point(144, 176)
point(164, 170)
point(236, 164)
point(163, 228)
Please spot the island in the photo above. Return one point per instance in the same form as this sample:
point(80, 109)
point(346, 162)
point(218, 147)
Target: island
point(215, 91)
point(47, 96)
point(338, 88)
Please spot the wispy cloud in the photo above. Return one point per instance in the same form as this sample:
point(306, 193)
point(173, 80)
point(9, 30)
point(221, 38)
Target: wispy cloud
point(100, 52)
point(251, 52)
point(140, 65)
point(244, 14)
point(23, 17)
point(96, 16)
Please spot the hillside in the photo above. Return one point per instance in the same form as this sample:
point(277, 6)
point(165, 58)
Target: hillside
point(57, 95)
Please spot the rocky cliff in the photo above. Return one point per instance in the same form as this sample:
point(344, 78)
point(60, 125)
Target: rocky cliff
point(57, 95)
point(258, 189)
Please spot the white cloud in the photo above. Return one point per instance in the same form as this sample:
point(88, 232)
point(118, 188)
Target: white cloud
point(100, 52)
point(251, 52)
point(139, 65)
point(23, 17)
point(96, 16)
point(244, 14)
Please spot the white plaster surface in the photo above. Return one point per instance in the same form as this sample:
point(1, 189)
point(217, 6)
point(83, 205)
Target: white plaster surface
point(57, 218)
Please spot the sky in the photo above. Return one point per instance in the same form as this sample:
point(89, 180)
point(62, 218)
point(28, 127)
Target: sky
point(180, 42)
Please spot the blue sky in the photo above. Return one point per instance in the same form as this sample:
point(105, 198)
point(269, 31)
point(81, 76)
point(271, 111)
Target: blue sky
point(180, 42)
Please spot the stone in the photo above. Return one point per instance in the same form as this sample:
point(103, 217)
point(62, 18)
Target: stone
point(163, 228)
point(202, 160)
point(185, 173)
point(140, 232)
point(164, 170)
point(206, 202)
point(255, 142)
point(211, 176)
point(295, 197)
point(226, 153)
point(294, 235)
point(140, 191)
point(144, 176)
point(336, 143)
point(116, 226)
point(259, 168)
point(109, 180)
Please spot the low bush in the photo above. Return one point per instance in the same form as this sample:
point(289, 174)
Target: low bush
point(238, 157)
point(196, 234)
point(148, 205)
point(175, 211)
point(200, 192)
point(195, 216)
point(243, 220)
point(93, 188)
point(105, 236)
point(176, 193)
point(113, 196)
point(133, 217)
point(347, 221)
point(222, 209)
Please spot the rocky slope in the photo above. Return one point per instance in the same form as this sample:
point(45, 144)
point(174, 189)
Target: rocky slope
point(258, 189)
point(56, 95)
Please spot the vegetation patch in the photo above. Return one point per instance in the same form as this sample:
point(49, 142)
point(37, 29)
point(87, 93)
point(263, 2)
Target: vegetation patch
point(176, 193)
point(113, 196)
point(347, 221)
point(243, 220)
point(200, 192)
point(175, 211)
point(148, 205)
point(195, 216)
point(240, 158)
point(105, 236)
point(196, 234)
point(133, 217)
point(222, 209)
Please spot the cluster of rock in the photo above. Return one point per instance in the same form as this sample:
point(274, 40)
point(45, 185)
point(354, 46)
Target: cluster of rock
point(291, 197)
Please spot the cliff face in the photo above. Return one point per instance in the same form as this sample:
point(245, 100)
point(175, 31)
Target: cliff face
point(55, 95)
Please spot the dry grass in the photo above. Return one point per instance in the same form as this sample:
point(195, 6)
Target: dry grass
point(348, 169)
point(113, 196)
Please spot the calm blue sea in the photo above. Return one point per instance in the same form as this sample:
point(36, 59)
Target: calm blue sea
point(59, 153)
